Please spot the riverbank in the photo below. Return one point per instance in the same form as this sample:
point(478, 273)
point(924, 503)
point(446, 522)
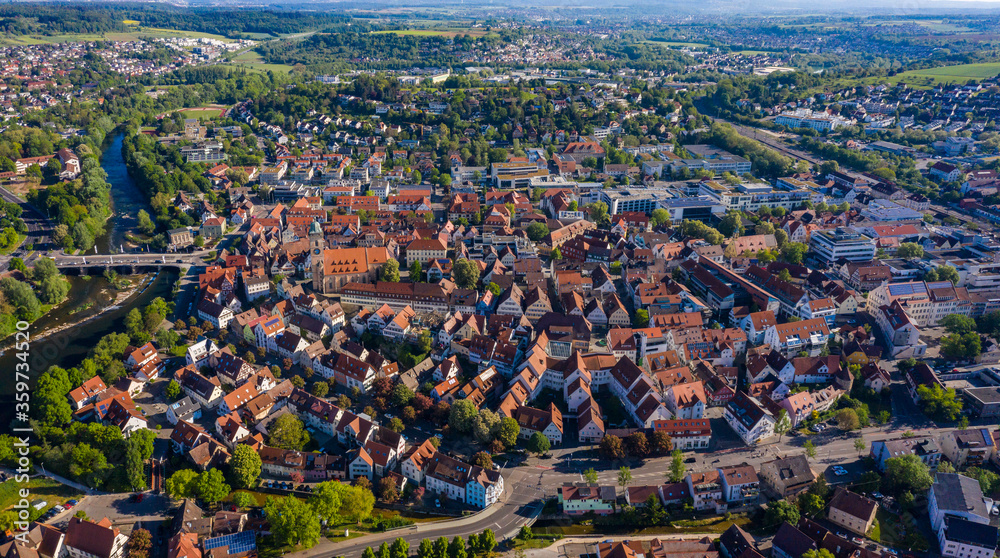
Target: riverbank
point(120, 298)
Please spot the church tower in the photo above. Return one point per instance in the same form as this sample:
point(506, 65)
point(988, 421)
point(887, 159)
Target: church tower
point(316, 245)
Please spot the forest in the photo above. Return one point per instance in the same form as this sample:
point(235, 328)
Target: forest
point(52, 19)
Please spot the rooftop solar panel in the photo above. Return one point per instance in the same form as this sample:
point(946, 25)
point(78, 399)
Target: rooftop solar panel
point(238, 543)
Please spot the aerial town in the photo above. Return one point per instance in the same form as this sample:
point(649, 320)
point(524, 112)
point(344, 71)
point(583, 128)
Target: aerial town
point(522, 284)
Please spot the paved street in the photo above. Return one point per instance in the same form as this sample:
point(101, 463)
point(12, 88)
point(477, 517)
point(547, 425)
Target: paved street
point(539, 479)
point(521, 505)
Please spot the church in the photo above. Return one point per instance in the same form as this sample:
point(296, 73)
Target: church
point(335, 267)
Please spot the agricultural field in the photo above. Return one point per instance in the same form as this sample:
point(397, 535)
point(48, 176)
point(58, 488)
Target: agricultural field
point(957, 74)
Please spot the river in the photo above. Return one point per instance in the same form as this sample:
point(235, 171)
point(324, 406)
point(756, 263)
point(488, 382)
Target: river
point(126, 199)
point(88, 296)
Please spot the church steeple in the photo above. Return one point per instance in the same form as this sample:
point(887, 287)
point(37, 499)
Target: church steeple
point(316, 246)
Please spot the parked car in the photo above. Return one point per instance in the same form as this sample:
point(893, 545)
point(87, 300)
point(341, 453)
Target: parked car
point(877, 495)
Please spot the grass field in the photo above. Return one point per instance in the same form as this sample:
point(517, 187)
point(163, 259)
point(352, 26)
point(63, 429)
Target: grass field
point(250, 60)
point(957, 74)
point(40, 488)
point(201, 112)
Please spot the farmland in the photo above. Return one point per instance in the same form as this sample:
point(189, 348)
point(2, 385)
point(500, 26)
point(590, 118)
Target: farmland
point(957, 74)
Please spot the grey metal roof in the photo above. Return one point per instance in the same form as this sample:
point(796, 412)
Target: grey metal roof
point(959, 493)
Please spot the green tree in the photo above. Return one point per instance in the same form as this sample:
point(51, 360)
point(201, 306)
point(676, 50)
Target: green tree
point(732, 224)
point(940, 403)
point(292, 521)
point(483, 459)
point(146, 225)
point(416, 272)
point(907, 473)
point(43, 269)
point(50, 404)
point(958, 324)
point(456, 549)
point(461, 416)
point(599, 212)
point(465, 272)
point(677, 469)
point(287, 432)
point(860, 445)
point(847, 419)
point(779, 512)
point(537, 231)
point(659, 217)
point(793, 252)
point(389, 271)
point(810, 448)
point(326, 500)
point(590, 476)
point(426, 549)
point(320, 389)
point(942, 273)
point(810, 504)
point(22, 298)
point(612, 447)
point(640, 318)
point(818, 553)
point(182, 484)
point(910, 250)
point(624, 477)
point(538, 443)
point(782, 424)
point(245, 466)
point(487, 543)
point(212, 486)
point(660, 443)
point(399, 549)
point(134, 469)
point(507, 432)
point(244, 500)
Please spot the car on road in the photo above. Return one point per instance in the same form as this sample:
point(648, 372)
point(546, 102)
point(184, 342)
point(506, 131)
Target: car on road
point(857, 540)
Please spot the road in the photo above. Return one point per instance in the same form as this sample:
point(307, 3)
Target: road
point(141, 259)
point(39, 228)
point(538, 479)
point(521, 505)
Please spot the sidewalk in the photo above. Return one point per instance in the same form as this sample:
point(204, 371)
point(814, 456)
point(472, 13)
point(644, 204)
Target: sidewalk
point(555, 549)
point(86, 490)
